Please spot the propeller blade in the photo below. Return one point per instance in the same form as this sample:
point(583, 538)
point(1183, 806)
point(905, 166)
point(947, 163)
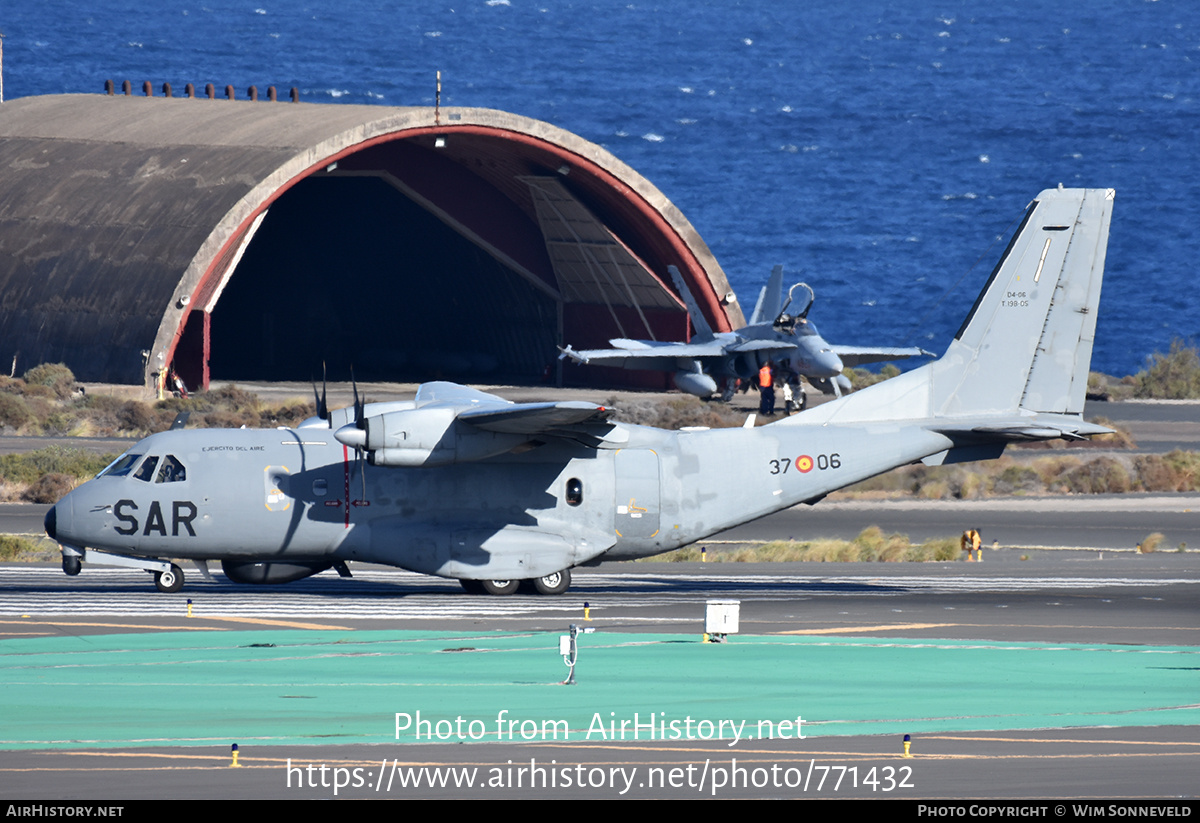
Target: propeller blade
point(359, 403)
point(319, 399)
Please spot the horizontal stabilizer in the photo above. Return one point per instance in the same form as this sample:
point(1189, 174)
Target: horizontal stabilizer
point(1033, 427)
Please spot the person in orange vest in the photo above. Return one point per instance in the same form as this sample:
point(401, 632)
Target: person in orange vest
point(766, 389)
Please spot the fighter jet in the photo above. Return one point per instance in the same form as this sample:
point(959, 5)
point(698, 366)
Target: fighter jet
point(466, 485)
point(712, 359)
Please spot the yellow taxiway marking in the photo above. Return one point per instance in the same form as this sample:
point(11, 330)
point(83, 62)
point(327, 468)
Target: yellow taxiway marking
point(1062, 740)
point(69, 623)
point(898, 626)
point(287, 624)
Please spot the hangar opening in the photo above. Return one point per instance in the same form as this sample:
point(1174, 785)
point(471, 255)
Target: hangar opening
point(348, 271)
point(459, 257)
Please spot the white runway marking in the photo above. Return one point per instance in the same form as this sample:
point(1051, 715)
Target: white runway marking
point(389, 594)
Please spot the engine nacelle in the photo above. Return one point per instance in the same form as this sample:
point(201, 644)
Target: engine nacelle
point(266, 573)
point(418, 430)
point(425, 437)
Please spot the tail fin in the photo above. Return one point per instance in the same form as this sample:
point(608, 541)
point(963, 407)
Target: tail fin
point(1027, 343)
point(699, 323)
point(770, 298)
point(1024, 351)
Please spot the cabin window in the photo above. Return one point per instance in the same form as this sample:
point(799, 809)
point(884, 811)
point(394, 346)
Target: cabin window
point(121, 466)
point(320, 488)
point(171, 471)
point(146, 470)
point(574, 491)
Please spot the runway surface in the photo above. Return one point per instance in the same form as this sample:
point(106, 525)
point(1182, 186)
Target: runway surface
point(1060, 674)
point(1098, 655)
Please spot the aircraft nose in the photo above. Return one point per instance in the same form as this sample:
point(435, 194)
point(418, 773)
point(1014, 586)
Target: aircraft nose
point(51, 523)
point(831, 362)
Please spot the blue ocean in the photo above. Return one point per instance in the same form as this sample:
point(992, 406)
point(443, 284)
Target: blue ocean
point(876, 149)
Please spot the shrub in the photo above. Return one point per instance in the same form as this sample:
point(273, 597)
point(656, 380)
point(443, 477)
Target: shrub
point(1104, 475)
point(49, 488)
point(1017, 479)
point(14, 411)
point(56, 376)
point(136, 416)
point(1173, 376)
point(27, 468)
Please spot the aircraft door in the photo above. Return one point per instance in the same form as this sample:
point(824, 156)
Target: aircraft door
point(637, 494)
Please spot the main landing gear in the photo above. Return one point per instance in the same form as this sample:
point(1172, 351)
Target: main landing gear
point(555, 583)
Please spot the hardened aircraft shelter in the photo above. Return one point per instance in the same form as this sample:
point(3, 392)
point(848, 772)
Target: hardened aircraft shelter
point(245, 239)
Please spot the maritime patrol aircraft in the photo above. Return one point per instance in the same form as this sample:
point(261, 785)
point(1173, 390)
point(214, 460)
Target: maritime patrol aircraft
point(713, 358)
point(466, 485)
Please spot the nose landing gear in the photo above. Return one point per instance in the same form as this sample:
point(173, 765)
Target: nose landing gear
point(169, 581)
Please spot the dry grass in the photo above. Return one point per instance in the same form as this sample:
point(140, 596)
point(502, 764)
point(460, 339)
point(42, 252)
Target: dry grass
point(870, 546)
point(17, 548)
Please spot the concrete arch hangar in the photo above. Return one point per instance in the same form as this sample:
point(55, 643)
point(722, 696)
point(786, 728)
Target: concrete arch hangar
point(253, 240)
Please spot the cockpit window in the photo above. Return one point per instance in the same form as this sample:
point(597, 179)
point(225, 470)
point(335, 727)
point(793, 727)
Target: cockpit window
point(171, 471)
point(146, 470)
point(121, 466)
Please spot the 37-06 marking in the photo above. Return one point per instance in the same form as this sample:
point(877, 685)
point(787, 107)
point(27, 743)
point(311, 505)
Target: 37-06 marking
point(806, 463)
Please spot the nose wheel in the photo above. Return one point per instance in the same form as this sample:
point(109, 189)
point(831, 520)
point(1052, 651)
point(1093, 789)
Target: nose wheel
point(169, 581)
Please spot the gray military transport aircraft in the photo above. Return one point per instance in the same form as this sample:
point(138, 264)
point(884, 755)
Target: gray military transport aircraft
point(722, 358)
point(462, 484)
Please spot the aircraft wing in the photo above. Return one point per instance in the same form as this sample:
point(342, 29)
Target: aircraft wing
point(852, 356)
point(761, 345)
point(450, 424)
point(536, 418)
point(646, 349)
point(492, 413)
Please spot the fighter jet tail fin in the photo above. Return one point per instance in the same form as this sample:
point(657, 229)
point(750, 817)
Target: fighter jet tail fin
point(1027, 342)
point(770, 298)
point(699, 323)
